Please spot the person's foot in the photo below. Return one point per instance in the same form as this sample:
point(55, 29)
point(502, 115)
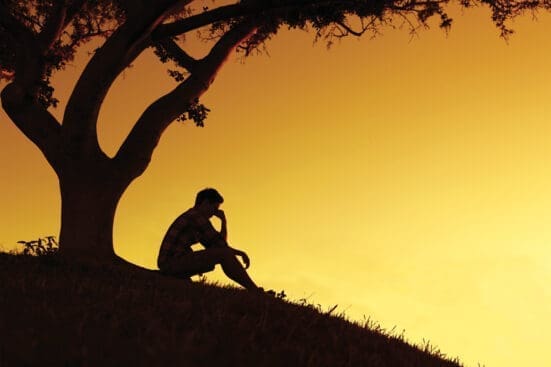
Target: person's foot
point(269, 292)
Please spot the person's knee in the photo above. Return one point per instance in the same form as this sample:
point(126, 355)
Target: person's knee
point(222, 254)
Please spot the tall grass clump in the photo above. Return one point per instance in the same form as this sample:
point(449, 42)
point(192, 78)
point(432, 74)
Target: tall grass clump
point(40, 247)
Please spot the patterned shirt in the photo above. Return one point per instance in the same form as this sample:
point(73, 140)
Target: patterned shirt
point(189, 228)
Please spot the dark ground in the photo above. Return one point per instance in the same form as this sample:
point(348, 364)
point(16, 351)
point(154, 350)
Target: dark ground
point(54, 313)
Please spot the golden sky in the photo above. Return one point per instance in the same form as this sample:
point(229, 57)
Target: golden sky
point(404, 180)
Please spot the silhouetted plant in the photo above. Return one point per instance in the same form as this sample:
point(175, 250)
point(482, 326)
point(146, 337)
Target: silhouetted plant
point(40, 246)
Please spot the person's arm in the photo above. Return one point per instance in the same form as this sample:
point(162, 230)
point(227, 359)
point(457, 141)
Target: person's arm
point(243, 255)
point(224, 229)
point(210, 237)
point(207, 235)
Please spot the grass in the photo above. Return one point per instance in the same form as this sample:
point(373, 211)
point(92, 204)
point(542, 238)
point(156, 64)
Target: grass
point(58, 313)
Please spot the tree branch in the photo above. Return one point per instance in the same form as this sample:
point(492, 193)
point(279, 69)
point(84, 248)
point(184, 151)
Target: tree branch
point(126, 43)
point(258, 7)
point(19, 97)
point(199, 20)
point(177, 54)
point(25, 47)
point(136, 151)
point(349, 30)
point(72, 11)
point(33, 120)
point(53, 27)
point(241, 9)
point(10, 23)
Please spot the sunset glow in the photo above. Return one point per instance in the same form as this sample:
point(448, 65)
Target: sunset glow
point(406, 180)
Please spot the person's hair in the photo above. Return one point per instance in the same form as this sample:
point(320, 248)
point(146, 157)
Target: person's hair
point(208, 194)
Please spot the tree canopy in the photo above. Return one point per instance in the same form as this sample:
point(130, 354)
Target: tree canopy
point(52, 31)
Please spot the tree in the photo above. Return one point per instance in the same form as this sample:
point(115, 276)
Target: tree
point(39, 37)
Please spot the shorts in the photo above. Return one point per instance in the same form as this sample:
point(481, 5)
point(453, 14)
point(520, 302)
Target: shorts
point(188, 264)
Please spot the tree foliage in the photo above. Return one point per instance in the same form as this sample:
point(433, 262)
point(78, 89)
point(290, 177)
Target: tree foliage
point(84, 20)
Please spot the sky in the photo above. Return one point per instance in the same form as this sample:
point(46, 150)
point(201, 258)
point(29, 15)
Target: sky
point(406, 180)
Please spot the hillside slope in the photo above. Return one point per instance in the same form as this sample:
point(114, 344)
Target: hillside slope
point(57, 314)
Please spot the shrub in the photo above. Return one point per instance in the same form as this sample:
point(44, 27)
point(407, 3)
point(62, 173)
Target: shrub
point(40, 247)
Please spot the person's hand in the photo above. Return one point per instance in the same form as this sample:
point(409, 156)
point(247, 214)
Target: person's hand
point(220, 214)
point(245, 258)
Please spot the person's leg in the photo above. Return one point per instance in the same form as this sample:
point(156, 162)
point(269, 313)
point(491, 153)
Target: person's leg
point(203, 261)
point(235, 271)
point(230, 265)
point(188, 264)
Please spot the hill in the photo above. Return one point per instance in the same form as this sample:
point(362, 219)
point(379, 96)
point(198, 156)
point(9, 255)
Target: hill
point(55, 313)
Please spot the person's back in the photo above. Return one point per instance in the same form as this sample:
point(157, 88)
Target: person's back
point(178, 238)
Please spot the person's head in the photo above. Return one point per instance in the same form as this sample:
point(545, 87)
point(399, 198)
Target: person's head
point(208, 200)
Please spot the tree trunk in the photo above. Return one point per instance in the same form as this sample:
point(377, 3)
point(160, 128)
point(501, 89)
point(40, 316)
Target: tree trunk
point(88, 204)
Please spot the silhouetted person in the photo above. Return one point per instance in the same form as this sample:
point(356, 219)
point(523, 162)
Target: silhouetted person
point(176, 256)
